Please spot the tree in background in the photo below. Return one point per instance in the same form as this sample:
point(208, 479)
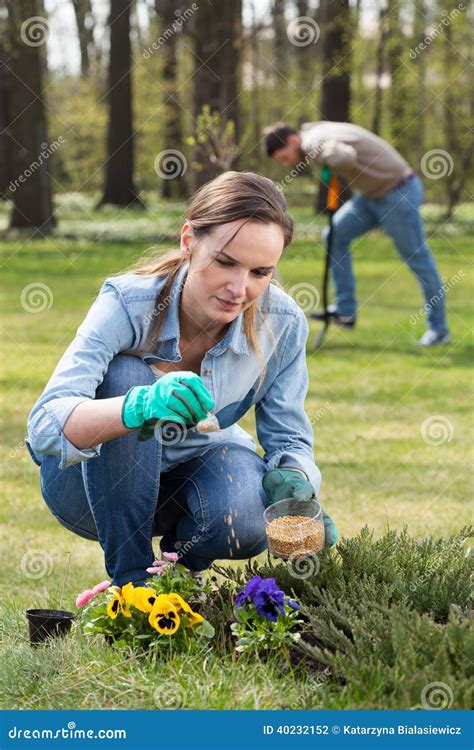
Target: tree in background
point(6, 172)
point(280, 63)
point(401, 100)
point(119, 184)
point(85, 31)
point(27, 126)
point(336, 51)
point(168, 11)
point(380, 58)
point(217, 38)
point(458, 111)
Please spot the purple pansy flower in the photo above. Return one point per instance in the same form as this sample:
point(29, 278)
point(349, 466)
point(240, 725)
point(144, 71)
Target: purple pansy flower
point(246, 596)
point(268, 598)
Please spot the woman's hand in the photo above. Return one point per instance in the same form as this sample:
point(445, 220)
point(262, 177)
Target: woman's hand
point(176, 397)
point(282, 483)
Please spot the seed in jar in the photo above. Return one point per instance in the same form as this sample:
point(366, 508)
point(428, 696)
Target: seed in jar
point(295, 536)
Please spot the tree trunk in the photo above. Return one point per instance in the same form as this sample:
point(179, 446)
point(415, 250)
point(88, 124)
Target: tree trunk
point(6, 83)
point(336, 43)
point(32, 201)
point(173, 132)
point(279, 69)
point(380, 63)
point(85, 30)
point(419, 34)
point(306, 56)
point(254, 93)
point(458, 139)
point(217, 38)
point(119, 186)
point(399, 96)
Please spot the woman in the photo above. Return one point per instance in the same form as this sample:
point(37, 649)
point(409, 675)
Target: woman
point(197, 330)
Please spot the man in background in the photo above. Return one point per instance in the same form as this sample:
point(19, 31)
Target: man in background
point(388, 194)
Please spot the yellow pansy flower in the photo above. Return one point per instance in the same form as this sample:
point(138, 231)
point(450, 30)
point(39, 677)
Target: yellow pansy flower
point(164, 616)
point(144, 598)
point(193, 617)
point(117, 604)
point(128, 593)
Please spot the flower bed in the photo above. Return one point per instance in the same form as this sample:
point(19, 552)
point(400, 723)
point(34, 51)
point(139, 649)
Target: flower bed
point(378, 622)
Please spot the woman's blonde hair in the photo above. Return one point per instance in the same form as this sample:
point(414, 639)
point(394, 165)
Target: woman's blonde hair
point(229, 197)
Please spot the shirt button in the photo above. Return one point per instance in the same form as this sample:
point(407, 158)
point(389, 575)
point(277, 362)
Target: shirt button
point(207, 372)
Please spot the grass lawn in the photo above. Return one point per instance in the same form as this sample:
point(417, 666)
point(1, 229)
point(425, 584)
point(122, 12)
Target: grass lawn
point(392, 426)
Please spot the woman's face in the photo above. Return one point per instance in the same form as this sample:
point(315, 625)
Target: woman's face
point(221, 285)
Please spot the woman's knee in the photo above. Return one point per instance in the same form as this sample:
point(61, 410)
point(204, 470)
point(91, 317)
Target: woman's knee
point(64, 494)
point(124, 371)
point(233, 503)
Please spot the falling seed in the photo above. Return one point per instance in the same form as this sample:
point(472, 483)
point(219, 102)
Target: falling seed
point(228, 540)
point(230, 553)
point(229, 519)
point(233, 533)
point(237, 544)
point(229, 478)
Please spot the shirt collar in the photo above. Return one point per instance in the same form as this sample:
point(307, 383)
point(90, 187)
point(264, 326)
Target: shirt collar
point(167, 341)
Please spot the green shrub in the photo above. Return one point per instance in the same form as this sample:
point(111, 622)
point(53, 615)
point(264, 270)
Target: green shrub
point(387, 620)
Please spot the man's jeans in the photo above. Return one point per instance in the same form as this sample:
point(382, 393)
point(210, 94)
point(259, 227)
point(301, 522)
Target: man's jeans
point(205, 509)
point(398, 213)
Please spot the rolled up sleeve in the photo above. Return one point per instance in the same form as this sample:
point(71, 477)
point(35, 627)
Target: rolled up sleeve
point(106, 331)
point(283, 428)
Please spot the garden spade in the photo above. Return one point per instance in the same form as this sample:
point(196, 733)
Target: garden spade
point(333, 202)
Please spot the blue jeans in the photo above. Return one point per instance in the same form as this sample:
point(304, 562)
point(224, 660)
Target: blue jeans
point(398, 213)
point(205, 509)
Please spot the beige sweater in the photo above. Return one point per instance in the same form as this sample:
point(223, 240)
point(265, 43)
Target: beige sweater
point(368, 163)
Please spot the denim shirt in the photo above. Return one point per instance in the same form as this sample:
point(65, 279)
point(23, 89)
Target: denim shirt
point(118, 322)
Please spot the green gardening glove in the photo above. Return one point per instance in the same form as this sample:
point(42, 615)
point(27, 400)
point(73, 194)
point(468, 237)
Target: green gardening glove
point(176, 397)
point(282, 483)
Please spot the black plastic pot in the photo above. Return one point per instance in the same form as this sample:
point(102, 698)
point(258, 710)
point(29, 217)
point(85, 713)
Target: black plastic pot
point(48, 623)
